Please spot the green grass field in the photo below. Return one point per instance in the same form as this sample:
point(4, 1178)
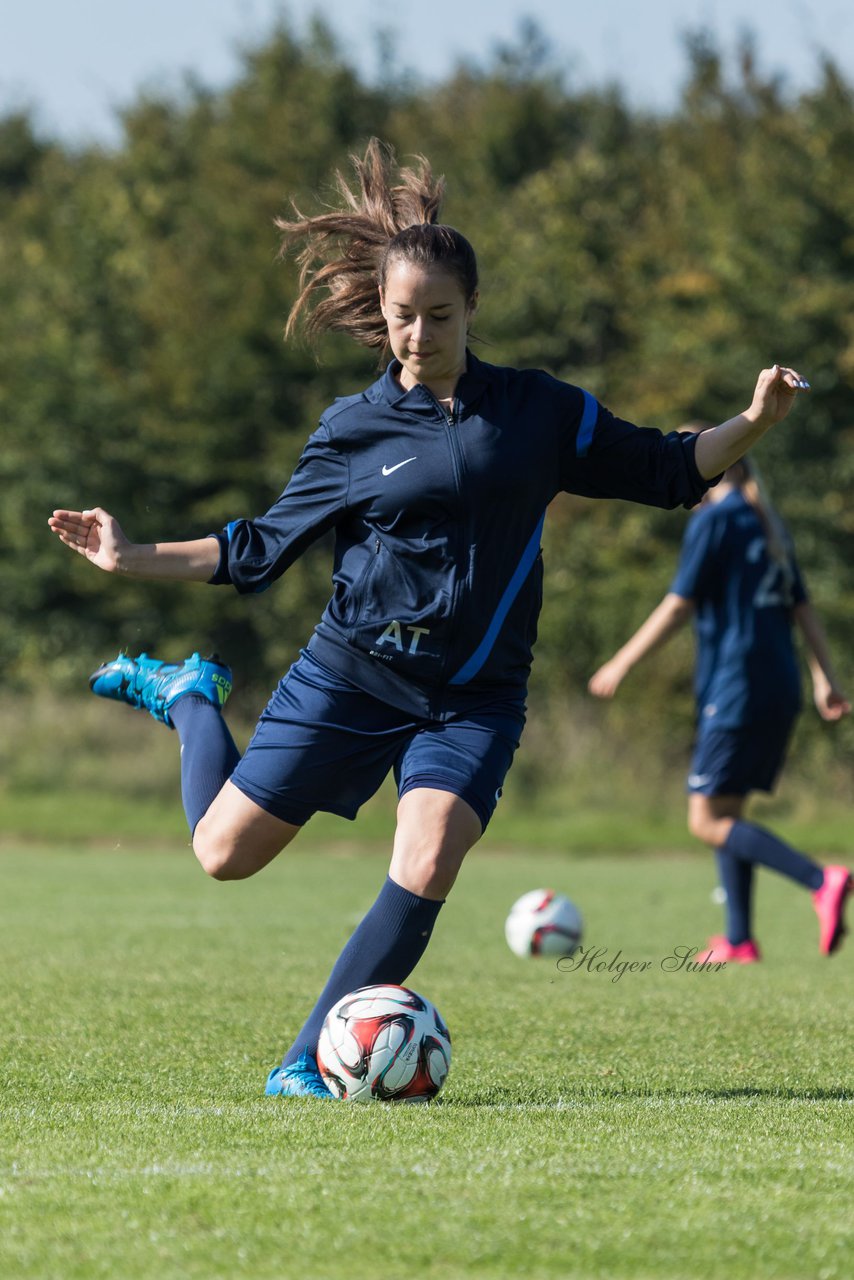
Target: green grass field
point(666, 1124)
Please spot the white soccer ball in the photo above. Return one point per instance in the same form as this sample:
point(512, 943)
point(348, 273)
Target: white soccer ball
point(384, 1042)
point(543, 923)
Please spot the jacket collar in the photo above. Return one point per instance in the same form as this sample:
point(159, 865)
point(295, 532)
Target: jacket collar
point(469, 388)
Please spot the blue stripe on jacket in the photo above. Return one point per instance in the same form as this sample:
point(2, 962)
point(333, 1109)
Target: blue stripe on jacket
point(470, 668)
point(584, 439)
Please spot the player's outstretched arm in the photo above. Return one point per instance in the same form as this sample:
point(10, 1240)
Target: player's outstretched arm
point(830, 701)
point(673, 612)
point(775, 393)
point(98, 536)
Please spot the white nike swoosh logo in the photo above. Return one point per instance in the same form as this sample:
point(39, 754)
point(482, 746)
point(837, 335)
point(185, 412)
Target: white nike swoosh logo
point(388, 470)
point(698, 779)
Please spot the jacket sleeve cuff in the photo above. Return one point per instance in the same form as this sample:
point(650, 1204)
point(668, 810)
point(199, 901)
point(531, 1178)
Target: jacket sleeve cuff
point(221, 575)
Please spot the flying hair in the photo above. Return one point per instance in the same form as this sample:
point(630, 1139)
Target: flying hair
point(387, 213)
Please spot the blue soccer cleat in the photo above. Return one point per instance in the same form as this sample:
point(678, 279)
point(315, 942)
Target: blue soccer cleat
point(154, 686)
point(301, 1079)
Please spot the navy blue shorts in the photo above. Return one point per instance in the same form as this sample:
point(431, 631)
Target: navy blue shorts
point(323, 744)
point(733, 762)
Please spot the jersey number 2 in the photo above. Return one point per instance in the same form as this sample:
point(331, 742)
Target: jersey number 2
point(774, 588)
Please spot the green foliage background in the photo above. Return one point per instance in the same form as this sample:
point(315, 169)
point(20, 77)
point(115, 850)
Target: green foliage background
point(659, 261)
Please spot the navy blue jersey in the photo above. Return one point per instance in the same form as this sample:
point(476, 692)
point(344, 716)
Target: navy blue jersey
point(747, 669)
point(437, 574)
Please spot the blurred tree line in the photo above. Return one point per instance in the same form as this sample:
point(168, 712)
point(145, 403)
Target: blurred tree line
point(658, 260)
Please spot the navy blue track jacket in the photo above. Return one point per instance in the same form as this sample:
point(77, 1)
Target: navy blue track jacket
point(437, 572)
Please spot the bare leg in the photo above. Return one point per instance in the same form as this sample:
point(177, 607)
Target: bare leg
point(711, 818)
point(435, 831)
point(236, 837)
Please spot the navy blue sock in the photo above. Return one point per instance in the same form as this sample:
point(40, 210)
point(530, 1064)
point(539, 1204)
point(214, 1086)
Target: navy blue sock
point(386, 947)
point(737, 881)
point(755, 844)
point(208, 753)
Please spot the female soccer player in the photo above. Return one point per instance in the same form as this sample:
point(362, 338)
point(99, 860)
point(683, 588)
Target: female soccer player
point(435, 479)
point(739, 581)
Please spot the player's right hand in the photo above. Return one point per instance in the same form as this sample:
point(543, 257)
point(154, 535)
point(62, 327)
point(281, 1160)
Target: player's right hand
point(605, 682)
point(94, 534)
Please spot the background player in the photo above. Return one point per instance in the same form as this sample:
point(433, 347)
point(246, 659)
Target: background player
point(739, 581)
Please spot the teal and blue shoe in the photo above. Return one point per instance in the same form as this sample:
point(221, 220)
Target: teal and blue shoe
point(301, 1079)
point(154, 686)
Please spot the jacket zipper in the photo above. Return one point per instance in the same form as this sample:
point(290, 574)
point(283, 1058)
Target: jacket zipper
point(463, 544)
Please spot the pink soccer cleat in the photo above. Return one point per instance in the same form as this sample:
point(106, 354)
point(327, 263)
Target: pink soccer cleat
point(720, 948)
point(829, 903)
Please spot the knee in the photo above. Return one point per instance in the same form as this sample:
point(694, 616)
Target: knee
point(698, 825)
point(434, 874)
point(426, 870)
point(710, 829)
point(216, 856)
point(435, 829)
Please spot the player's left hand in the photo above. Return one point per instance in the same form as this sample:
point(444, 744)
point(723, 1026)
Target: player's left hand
point(775, 392)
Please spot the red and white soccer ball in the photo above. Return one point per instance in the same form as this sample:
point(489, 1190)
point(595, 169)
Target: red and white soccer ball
point(543, 923)
point(384, 1042)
